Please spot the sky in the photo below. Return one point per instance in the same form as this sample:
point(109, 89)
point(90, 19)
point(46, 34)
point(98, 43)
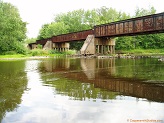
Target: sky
point(39, 12)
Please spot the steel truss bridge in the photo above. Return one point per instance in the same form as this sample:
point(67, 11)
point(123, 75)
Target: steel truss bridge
point(134, 26)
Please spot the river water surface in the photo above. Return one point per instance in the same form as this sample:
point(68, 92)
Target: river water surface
point(68, 90)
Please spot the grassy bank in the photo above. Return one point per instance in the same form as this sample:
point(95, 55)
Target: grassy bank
point(37, 53)
point(143, 51)
point(40, 52)
point(13, 56)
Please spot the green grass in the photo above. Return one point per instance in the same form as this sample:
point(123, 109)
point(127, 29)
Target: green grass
point(143, 51)
point(13, 56)
point(37, 52)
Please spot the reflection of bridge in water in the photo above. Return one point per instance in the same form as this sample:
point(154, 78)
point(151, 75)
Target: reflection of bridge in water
point(100, 73)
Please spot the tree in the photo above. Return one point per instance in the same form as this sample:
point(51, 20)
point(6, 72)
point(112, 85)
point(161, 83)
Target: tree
point(12, 28)
point(30, 40)
point(75, 20)
point(52, 29)
point(142, 12)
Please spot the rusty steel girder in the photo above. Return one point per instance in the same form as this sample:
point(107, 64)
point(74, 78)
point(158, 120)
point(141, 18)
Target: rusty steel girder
point(134, 26)
point(43, 41)
point(75, 36)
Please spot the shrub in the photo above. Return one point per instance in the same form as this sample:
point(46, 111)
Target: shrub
point(54, 52)
point(39, 52)
point(39, 46)
point(10, 53)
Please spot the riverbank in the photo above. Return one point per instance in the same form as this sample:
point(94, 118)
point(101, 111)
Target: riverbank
point(40, 54)
point(21, 57)
point(123, 56)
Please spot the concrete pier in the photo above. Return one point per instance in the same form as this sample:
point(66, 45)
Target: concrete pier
point(101, 46)
point(61, 46)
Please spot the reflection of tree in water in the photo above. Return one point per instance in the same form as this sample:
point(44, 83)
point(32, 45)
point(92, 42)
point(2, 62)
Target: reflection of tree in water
point(12, 85)
point(145, 68)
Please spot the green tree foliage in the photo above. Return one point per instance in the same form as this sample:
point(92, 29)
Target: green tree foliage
point(107, 15)
point(12, 28)
point(52, 29)
point(75, 20)
point(82, 20)
point(30, 40)
point(125, 43)
point(142, 12)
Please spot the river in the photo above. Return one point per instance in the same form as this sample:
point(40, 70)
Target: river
point(80, 90)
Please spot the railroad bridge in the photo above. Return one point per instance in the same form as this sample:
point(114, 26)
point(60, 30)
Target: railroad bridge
point(100, 39)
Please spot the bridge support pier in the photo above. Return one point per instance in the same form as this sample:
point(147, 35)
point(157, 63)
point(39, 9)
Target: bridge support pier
point(33, 46)
point(61, 47)
point(48, 45)
point(105, 45)
point(94, 45)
